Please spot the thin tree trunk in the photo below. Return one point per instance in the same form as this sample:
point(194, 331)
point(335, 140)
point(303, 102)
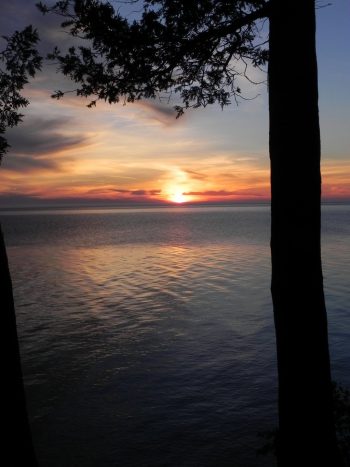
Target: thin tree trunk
point(306, 427)
point(17, 447)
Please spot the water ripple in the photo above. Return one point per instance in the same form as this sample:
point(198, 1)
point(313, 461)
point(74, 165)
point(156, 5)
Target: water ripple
point(147, 338)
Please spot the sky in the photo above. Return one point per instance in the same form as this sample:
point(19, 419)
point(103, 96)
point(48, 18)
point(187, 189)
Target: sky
point(64, 153)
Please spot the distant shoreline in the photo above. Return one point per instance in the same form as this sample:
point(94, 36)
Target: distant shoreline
point(71, 208)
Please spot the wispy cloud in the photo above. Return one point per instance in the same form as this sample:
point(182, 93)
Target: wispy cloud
point(17, 163)
point(225, 193)
point(44, 136)
point(194, 175)
point(161, 112)
point(111, 191)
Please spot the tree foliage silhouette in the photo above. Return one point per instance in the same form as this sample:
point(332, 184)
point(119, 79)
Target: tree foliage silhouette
point(197, 50)
point(19, 60)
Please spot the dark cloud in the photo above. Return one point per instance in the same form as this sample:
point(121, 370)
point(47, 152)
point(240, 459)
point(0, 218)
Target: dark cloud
point(14, 200)
point(36, 141)
point(19, 163)
point(124, 192)
point(159, 111)
point(220, 193)
point(160, 108)
point(145, 192)
point(140, 192)
point(10, 200)
point(196, 175)
point(154, 192)
point(37, 136)
point(210, 193)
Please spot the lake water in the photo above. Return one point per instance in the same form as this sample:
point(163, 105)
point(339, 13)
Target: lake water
point(147, 335)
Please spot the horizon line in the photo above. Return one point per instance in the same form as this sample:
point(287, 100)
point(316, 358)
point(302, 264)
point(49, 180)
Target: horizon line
point(65, 203)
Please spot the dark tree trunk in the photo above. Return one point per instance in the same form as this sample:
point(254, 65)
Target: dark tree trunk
point(17, 448)
point(306, 427)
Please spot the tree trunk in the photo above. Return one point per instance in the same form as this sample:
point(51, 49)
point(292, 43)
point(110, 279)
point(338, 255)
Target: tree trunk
point(17, 447)
point(306, 428)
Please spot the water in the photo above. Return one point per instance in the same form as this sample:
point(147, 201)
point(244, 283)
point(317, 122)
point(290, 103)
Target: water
point(147, 335)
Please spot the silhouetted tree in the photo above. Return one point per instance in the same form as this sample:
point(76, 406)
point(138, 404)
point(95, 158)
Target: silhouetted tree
point(19, 60)
point(198, 49)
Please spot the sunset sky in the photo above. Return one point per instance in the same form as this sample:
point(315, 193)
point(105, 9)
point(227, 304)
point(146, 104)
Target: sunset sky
point(65, 153)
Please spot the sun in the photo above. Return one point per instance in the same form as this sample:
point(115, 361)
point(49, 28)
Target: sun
point(177, 197)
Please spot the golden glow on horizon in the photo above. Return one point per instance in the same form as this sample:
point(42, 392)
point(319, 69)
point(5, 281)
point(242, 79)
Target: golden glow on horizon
point(177, 182)
point(95, 156)
point(177, 197)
